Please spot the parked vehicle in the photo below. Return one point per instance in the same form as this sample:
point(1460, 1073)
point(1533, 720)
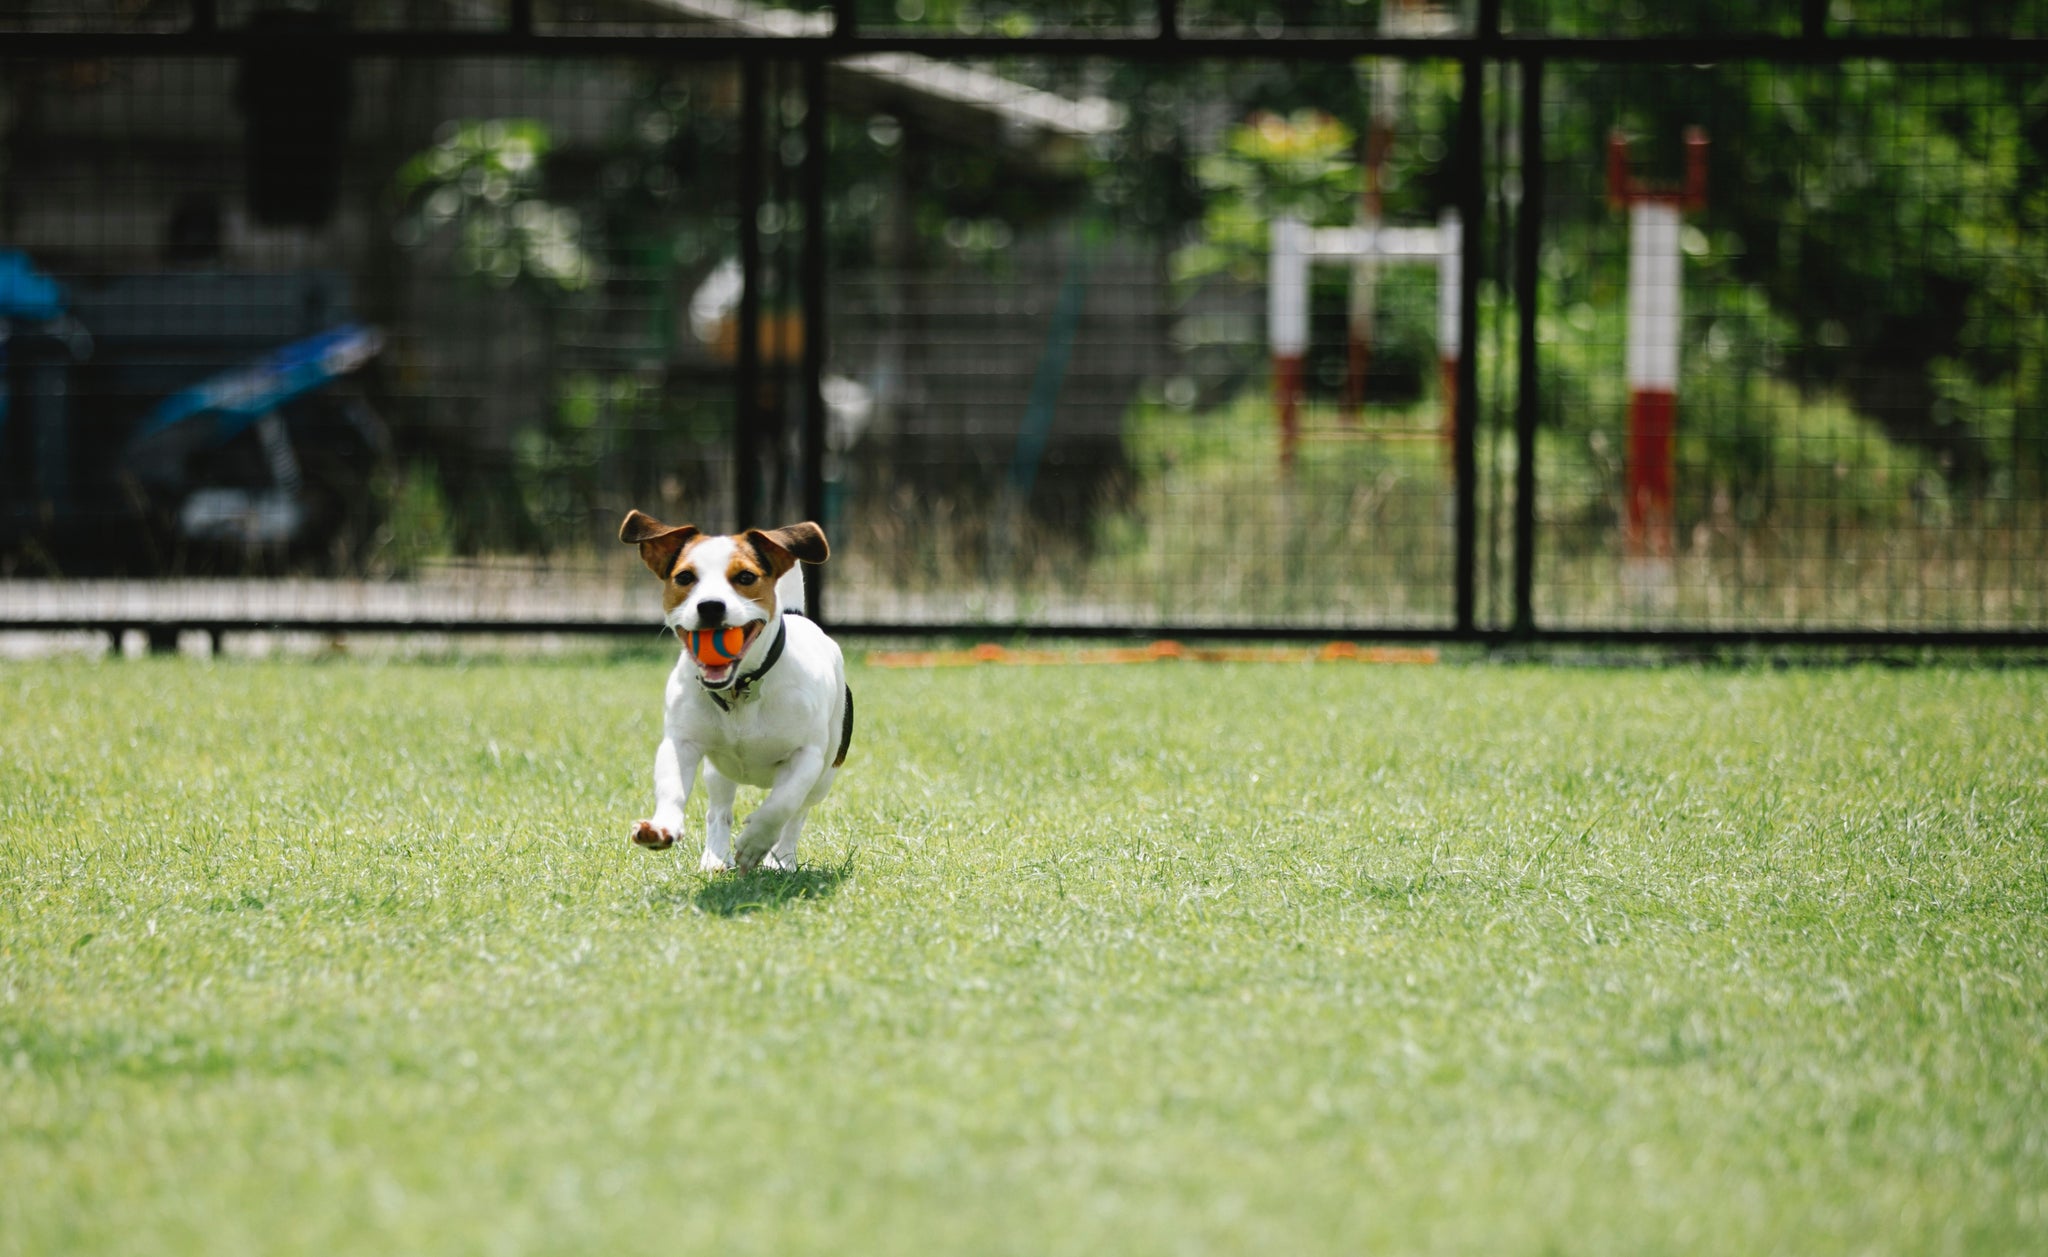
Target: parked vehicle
point(185, 422)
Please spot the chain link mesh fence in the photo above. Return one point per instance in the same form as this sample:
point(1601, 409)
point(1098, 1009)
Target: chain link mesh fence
point(386, 318)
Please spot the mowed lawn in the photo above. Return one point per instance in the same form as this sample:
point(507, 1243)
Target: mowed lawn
point(351, 957)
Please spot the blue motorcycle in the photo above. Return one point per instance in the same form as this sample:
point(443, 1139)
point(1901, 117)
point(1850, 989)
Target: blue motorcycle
point(263, 462)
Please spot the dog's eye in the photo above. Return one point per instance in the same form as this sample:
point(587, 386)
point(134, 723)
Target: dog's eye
point(686, 577)
point(744, 579)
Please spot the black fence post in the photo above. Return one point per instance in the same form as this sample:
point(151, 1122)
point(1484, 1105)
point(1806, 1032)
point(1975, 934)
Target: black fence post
point(815, 244)
point(1464, 451)
point(1528, 398)
point(747, 407)
point(1813, 19)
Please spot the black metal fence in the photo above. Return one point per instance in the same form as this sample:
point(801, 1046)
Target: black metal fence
point(379, 317)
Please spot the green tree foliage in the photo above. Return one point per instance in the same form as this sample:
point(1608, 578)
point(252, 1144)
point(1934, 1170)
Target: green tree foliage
point(1876, 232)
point(1302, 166)
point(481, 182)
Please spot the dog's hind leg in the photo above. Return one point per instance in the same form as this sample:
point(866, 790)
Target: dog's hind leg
point(783, 854)
point(787, 800)
point(718, 796)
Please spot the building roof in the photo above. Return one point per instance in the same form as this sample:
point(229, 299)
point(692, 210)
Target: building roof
point(953, 97)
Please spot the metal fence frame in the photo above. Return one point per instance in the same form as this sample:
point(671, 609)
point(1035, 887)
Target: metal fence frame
point(1485, 44)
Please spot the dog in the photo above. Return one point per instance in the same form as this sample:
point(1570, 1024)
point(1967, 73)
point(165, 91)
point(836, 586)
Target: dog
point(779, 716)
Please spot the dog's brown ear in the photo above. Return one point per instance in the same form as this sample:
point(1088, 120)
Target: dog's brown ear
point(804, 541)
point(780, 548)
point(773, 553)
point(658, 542)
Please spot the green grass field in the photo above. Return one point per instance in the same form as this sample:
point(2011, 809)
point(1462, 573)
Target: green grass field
point(352, 957)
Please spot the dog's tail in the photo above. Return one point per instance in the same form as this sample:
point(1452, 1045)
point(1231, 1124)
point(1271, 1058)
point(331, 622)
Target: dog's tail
point(789, 591)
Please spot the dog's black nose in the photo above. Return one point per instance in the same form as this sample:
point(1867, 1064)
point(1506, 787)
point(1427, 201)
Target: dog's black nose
point(710, 611)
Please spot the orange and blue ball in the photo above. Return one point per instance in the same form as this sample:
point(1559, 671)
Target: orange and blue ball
point(719, 645)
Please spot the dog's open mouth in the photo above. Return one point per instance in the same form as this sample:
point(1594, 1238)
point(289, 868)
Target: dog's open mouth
point(718, 673)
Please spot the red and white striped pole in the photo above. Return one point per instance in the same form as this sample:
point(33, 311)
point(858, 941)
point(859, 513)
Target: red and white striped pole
point(1295, 245)
point(1450, 269)
point(1655, 307)
point(1287, 328)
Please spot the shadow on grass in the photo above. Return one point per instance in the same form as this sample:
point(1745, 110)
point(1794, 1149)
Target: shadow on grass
point(764, 890)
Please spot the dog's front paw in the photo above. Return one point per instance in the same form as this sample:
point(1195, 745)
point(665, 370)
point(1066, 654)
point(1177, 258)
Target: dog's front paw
point(709, 863)
point(651, 836)
point(776, 864)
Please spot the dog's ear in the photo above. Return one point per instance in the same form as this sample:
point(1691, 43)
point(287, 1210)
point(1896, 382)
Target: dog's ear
point(780, 548)
point(804, 541)
point(658, 542)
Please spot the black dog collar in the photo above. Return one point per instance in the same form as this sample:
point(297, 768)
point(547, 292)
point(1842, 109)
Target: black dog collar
point(742, 687)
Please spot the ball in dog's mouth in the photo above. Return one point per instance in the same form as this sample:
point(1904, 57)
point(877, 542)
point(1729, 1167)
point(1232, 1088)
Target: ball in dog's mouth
point(718, 650)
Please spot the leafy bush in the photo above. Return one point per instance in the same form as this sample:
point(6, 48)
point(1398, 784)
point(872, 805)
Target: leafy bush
point(481, 181)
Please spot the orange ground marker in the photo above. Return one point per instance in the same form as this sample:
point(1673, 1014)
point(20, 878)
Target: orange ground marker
point(1156, 652)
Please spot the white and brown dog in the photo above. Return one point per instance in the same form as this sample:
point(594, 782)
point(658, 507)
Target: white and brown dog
point(780, 716)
